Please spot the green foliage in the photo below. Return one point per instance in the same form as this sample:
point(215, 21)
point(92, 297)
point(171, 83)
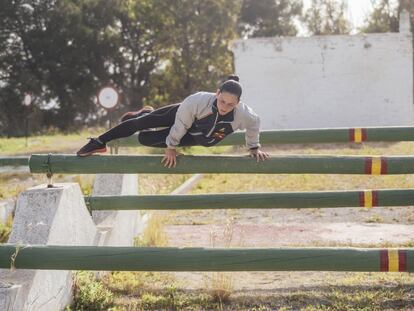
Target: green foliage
point(268, 18)
point(62, 52)
point(55, 50)
point(385, 16)
point(200, 33)
point(142, 40)
point(90, 294)
point(326, 17)
point(5, 230)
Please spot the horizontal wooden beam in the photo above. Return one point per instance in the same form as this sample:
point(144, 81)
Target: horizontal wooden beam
point(308, 136)
point(320, 199)
point(292, 164)
point(205, 259)
point(14, 161)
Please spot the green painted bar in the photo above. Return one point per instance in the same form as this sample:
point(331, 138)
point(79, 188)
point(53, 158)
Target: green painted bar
point(296, 164)
point(321, 199)
point(14, 161)
point(306, 136)
point(195, 259)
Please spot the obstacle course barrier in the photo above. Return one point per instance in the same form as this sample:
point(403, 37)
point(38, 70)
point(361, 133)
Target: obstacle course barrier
point(307, 136)
point(320, 199)
point(205, 259)
point(233, 259)
point(14, 161)
point(297, 164)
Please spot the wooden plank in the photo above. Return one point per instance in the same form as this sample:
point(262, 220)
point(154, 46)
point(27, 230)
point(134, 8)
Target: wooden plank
point(204, 259)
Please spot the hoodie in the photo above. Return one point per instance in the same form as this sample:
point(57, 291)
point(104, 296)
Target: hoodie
point(198, 115)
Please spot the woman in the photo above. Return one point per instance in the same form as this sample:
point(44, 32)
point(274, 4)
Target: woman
point(201, 119)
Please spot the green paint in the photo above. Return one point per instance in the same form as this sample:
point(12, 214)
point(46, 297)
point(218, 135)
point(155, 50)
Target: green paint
point(305, 136)
point(322, 199)
point(193, 259)
point(295, 164)
point(14, 161)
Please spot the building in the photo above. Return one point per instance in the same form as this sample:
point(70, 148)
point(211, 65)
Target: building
point(329, 81)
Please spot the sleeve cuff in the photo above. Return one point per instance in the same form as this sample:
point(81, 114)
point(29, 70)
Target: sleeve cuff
point(255, 147)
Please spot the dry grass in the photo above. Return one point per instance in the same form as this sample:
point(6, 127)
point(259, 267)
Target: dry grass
point(5, 230)
point(54, 142)
point(220, 284)
point(153, 234)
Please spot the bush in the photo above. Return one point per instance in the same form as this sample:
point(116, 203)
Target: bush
point(90, 294)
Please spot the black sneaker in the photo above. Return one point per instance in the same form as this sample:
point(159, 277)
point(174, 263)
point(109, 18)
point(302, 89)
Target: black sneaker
point(93, 146)
point(136, 114)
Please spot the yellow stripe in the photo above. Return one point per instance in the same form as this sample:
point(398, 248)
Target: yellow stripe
point(376, 166)
point(368, 198)
point(393, 262)
point(358, 135)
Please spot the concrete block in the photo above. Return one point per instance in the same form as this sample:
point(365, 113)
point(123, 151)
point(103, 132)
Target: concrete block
point(6, 210)
point(46, 216)
point(8, 294)
point(118, 228)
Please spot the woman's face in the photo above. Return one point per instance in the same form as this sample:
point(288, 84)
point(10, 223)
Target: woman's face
point(226, 102)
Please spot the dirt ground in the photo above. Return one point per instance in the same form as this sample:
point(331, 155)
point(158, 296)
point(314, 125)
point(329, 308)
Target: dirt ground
point(283, 228)
point(341, 227)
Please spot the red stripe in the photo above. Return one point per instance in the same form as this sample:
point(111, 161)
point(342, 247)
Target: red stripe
point(364, 134)
point(402, 261)
point(374, 198)
point(383, 166)
point(361, 199)
point(368, 166)
point(351, 135)
point(384, 260)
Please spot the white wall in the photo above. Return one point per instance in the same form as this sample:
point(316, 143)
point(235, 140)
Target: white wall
point(328, 81)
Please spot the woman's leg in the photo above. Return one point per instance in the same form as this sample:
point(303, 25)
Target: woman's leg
point(157, 138)
point(161, 117)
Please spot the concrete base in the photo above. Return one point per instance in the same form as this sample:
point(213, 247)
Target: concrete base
point(58, 216)
point(118, 228)
point(46, 216)
point(6, 210)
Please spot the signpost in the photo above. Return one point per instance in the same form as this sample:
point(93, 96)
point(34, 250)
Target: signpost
point(27, 102)
point(108, 98)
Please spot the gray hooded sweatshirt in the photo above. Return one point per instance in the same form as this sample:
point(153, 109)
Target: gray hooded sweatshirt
point(198, 115)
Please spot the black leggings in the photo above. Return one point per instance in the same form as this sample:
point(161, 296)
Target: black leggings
point(162, 117)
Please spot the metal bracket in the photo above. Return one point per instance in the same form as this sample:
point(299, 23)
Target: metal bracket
point(88, 203)
point(49, 173)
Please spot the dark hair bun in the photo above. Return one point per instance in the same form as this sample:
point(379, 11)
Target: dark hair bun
point(232, 86)
point(233, 77)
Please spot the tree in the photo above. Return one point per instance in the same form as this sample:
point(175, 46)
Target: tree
point(268, 18)
point(327, 17)
point(151, 50)
point(144, 39)
point(64, 51)
point(385, 16)
point(18, 73)
point(55, 50)
point(200, 32)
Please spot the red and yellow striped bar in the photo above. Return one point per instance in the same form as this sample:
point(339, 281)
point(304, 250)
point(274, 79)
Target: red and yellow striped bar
point(368, 198)
point(376, 166)
point(357, 135)
point(393, 260)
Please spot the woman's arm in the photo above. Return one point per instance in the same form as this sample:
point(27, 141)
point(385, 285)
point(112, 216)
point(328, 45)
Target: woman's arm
point(258, 154)
point(183, 121)
point(252, 137)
